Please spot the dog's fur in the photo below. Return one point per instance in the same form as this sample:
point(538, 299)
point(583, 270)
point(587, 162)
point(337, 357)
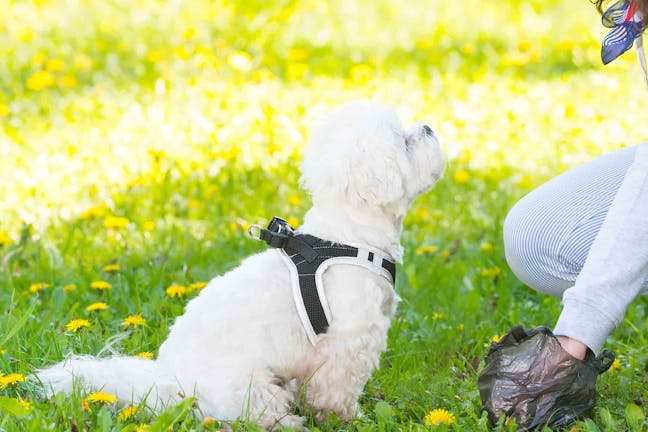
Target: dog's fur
point(240, 348)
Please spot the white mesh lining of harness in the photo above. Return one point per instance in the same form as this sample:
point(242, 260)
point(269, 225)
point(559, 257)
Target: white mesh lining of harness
point(362, 260)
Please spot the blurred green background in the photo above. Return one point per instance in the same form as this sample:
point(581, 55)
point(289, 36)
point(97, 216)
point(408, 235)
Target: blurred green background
point(150, 134)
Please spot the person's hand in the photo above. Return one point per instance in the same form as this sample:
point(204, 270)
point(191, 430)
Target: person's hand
point(572, 346)
point(530, 377)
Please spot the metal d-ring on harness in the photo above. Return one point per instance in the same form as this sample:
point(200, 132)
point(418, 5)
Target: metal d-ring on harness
point(307, 257)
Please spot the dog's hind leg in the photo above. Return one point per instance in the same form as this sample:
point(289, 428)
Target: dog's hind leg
point(260, 398)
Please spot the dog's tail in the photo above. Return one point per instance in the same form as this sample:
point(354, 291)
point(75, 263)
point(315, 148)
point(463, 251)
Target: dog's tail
point(130, 379)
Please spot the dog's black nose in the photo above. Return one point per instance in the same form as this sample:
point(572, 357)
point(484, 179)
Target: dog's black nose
point(427, 130)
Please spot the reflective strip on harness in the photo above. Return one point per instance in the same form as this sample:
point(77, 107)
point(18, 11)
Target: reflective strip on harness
point(307, 257)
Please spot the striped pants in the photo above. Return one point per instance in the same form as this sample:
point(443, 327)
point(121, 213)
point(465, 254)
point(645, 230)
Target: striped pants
point(549, 232)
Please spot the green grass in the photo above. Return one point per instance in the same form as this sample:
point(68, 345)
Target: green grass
point(188, 120)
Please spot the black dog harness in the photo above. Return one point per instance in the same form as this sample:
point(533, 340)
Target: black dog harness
point(307, 258)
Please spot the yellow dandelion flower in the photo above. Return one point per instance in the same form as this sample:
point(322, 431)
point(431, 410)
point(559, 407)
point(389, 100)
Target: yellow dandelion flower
point(23, 403)
point(197, 286)
point(486, 246)
point(69, 288)
point(10, 379)
point(99, 306)
point(189, 33)
point(423, 44)
point(157, 154)
point(106, 26)
point(243, 224)
point(426, 249)
point(111, 268)
point(206, 51)
point(127, 413)
point(461, 327)
point(40, 80)
point(208, 421)
point(68, 81)
point(148, 225)
point(181, 52)
point(263, 75)
point(154, 56)
point(145, 355)
point(496, 338)
point(38, 287)
point(38, 60)
point(492, 272)
point(461, 176)
point(465, 155)
point(142, 428)
point(102, 397)
point(137, 181)
point(515, 58)
point(438, 316)
point(54, 65)
point(4, 110)
point(439, 416)
point(82, 62)
point(176, 291)
point(467, 48)
point(85, 407)
point(193, 203)
point(240, 61)
point(616, 364)
point(297, 70)
point(77, 324)
point(25, 34)
point(293, 222)
point(524, 182)
point(100, 285)
point(293, 200)
point(361, 73)
point(226, 154)
point(297, 54)
point(422, 212)
point(93, 212)
point(115, 222)
point(101, 45)
point(445, 254)
point(134, 321)
point(2, 351)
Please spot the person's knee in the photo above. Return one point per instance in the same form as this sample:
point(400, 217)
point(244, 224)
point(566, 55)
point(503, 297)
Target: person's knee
point(519, 244)
point(527, 246)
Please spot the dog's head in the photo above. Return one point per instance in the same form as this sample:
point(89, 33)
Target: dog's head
point(360, 155)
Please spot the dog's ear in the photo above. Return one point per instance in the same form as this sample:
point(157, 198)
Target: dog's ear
point(360, 163)
point(374, 175)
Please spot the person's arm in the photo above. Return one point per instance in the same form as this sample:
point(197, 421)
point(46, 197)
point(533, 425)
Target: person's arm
point(615, 269)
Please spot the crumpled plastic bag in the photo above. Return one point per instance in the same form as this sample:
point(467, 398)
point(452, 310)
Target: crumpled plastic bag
point(529, 377)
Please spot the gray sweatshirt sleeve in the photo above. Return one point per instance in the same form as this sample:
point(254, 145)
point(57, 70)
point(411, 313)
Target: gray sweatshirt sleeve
point(616, 266)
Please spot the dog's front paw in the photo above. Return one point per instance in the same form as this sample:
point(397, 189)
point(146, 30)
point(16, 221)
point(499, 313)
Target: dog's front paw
point(359, 413)
point(293, 422)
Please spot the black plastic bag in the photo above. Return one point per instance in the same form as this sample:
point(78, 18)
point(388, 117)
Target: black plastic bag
point(529, 377)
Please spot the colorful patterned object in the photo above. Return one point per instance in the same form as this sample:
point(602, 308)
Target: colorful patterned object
point(626, 25)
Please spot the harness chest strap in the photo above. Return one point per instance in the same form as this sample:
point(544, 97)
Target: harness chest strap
point(307, 257)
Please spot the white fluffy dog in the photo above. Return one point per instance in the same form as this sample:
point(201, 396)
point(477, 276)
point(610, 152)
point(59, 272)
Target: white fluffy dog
point(240, 347)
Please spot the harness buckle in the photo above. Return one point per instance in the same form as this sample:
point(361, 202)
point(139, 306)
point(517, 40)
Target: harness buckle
point(280, 226)
point(281, 235)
